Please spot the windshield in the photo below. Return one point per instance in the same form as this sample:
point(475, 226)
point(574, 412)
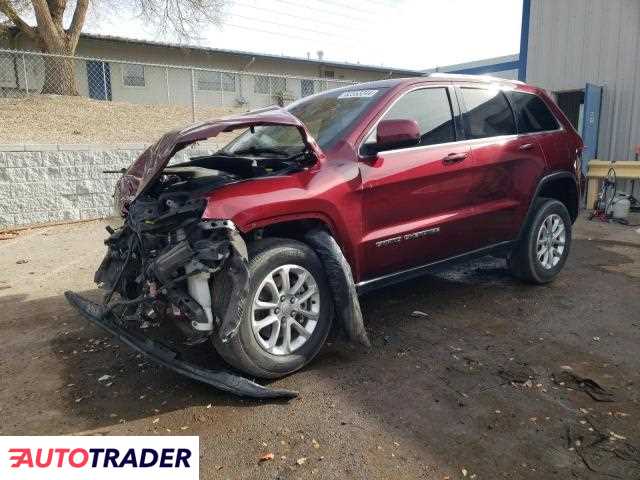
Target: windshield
point(326, 116)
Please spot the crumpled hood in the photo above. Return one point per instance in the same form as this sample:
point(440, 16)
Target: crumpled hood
point(149, 165)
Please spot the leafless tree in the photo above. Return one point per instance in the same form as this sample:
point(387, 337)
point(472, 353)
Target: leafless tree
point(182, 18)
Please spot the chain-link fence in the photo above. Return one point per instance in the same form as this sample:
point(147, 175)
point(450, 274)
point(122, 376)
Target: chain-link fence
point(25, 73)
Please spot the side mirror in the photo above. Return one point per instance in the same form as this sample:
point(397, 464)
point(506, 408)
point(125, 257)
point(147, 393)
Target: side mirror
point(397, 134)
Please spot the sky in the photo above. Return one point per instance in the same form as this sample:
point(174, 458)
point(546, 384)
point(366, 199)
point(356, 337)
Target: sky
point(414, 34)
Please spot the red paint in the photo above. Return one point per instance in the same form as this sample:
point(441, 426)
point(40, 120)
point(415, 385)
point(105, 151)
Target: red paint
point(398, 132)
point(476, 192)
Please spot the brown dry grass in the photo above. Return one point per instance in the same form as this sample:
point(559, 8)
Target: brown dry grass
point(51, 119)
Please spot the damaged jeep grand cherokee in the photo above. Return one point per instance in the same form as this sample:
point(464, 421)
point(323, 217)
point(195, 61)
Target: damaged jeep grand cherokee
point(259, 246)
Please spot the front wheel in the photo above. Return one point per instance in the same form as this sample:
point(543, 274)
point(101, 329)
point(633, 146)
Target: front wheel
point(288, 312)
point(544, 247)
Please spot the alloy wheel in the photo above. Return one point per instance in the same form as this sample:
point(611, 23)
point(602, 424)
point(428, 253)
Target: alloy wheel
point(285, 309)
point(551, 241)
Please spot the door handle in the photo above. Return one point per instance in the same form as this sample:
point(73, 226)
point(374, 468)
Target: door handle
point(455, 158)
point(526, 147)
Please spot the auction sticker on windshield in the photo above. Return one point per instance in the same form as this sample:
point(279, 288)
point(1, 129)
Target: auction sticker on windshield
point(99, 458)
point(358, 94)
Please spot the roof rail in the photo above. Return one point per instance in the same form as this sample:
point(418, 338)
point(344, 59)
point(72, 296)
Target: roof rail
point(462, 76)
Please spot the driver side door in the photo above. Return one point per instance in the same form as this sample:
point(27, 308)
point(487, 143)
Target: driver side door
point(414, 199)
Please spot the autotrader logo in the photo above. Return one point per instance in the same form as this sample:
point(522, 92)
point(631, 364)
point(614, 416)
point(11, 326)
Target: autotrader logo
point(70, 458)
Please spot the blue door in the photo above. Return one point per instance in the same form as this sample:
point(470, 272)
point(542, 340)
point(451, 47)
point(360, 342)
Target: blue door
point(99, 80)
point(590, 124)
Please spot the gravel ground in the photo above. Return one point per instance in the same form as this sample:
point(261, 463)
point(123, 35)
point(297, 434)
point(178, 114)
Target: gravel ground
point(478, 385)
point(45, 119)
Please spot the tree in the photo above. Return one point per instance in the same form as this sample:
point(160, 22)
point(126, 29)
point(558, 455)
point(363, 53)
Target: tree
point(183, 18)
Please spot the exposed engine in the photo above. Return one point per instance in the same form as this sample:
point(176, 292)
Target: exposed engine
point(160, 262)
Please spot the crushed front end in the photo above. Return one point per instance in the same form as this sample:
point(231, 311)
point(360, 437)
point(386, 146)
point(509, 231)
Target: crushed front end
point(156, 272)
point(159, 264)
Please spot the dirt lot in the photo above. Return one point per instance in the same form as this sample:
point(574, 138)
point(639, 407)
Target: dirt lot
point(465, 389)
point(79, 120)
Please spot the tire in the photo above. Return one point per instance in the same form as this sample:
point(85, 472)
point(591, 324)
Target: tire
point(528, 262)
point(245, 351)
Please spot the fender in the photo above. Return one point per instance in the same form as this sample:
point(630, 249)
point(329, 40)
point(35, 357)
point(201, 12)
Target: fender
point(336, 231)
point(544, 181)
point(291, 217)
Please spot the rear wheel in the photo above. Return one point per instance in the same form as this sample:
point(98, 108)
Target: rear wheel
point(288, 312)
point(544, 247)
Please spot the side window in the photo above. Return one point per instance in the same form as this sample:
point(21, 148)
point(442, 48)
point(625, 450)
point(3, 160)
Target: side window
point(488, 113)
point(133, 75)
point(532, 113)
point(430, 107)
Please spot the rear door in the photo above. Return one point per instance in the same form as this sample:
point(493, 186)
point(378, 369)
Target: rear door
point(414, 198)
point(506, 164)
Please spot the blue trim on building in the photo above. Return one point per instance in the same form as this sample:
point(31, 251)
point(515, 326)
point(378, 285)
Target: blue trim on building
point(484, 69)
point(524, 40)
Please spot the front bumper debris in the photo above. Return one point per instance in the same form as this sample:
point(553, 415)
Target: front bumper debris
point(221, 378)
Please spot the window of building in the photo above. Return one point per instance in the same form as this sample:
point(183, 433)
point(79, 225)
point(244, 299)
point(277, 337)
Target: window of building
point(133, 75)
point(532, 113)
point(215, 81)
point(306, 87)
point(431, 108)
point(488, 113)
point(269, 85)
point(329, 74)
point(278, 84)
point(8, 70)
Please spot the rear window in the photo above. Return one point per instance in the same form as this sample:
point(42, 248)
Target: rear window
point(532, 113)
point(488, 113)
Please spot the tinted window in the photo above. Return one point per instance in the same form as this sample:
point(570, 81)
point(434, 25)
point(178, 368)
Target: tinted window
point(488, 113)
point(429, 107)
point(532, 113)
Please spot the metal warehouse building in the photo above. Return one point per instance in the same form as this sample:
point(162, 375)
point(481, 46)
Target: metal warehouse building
point(587, 54)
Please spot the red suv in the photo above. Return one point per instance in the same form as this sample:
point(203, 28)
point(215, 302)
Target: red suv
point(260, 245)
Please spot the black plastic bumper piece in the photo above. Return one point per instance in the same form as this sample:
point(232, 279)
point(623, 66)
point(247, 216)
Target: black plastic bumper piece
point(221, 379)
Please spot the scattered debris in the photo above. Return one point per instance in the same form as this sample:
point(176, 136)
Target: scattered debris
point(22, 261)
point(6, 235)
point(586, 385)
point(517, 373)
point(605, 453)
point(104, 378)
point(418, 313)
point(301, 461)
point(266, 457)
point(615, 436)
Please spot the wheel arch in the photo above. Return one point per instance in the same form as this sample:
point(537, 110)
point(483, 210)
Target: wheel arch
point(291, 226)
point(561, 186)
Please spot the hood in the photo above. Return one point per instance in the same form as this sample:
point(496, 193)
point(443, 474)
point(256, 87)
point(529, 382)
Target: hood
point(149, 165)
